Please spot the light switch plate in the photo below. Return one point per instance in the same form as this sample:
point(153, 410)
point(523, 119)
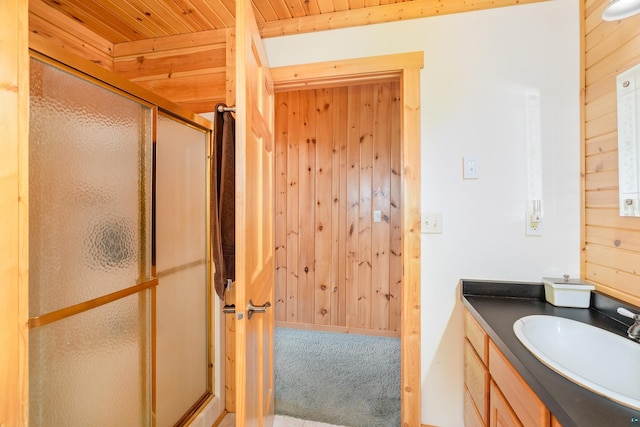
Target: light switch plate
point(470, 168)
point(431, 223)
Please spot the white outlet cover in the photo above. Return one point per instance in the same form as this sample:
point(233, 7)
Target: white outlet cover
point(533, 229)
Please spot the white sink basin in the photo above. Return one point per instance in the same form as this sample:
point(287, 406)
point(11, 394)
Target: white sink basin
point(591, 357)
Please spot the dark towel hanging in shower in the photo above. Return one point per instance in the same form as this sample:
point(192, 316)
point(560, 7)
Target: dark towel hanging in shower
point(223, 230)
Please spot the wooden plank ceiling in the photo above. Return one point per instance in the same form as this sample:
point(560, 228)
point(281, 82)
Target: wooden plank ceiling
point(182, 49)
point(120, 21)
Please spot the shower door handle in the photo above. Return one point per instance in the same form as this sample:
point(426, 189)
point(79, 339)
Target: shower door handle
point(252, 309)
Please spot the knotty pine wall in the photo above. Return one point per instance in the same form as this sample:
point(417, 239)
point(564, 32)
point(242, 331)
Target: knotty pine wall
point(189, 70)
point(338, 161)
point(611, 254)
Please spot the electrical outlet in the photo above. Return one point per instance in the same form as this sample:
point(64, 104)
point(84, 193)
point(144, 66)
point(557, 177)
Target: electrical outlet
point(533, 225)
point(431, 223)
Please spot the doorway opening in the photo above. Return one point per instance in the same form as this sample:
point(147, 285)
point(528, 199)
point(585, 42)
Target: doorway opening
point(405, 69)
point(338, 253)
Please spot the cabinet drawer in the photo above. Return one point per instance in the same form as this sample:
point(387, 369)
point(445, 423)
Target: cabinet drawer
point(476, 380)
point(527, 406)
point(471, 416)
point(476, 336)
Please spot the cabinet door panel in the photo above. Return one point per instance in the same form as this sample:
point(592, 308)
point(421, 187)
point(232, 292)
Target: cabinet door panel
point(525, 403)
point(471, 415)
point(501, 414)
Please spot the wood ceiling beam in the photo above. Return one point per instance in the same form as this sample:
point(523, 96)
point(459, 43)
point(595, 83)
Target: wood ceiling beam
point(378, 14)
point(169, 43)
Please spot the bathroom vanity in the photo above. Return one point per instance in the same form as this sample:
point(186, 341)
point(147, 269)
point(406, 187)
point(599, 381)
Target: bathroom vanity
point(506, 385)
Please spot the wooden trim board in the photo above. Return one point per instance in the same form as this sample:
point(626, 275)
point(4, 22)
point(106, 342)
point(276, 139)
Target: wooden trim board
point(14, 238)
point(338, 329)
point(375, 15)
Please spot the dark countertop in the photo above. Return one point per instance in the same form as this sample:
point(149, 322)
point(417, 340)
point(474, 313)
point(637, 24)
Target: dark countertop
point(497, 305)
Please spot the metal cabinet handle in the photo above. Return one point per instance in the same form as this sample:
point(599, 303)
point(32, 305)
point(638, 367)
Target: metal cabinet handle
point(251, 309)
point(229, 309)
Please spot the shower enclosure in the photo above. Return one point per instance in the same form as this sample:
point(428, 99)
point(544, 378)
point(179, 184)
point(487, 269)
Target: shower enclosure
point(119, 288)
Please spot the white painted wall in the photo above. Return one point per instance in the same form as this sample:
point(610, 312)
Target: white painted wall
point(478, 68)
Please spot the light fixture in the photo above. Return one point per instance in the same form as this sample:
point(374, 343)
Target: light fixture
point(620, 9)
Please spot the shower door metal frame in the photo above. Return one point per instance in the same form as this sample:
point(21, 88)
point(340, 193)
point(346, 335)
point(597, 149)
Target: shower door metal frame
point(97, 75)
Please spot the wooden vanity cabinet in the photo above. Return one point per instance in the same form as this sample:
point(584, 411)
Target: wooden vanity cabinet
point(495, 395)
point(476, 380)
point(476, 374)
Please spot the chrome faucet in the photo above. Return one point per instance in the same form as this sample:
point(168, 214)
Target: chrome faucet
point(634, 330)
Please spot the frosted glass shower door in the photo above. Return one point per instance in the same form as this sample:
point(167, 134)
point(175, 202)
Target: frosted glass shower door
point(90, 163)
point(182, 357)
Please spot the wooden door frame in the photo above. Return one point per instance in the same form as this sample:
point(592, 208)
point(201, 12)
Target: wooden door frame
point(406, 68)
point(14, 262)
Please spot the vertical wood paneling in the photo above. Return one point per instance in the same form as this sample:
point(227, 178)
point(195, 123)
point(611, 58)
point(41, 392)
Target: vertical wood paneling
point(380, 202)
point(343, 150)
point(340, 202)
point(281, 207)
point(293, 192)
point(307, 173)
point(610, 241)
point(364, 217)
point(353, 204)
point(323, 242)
